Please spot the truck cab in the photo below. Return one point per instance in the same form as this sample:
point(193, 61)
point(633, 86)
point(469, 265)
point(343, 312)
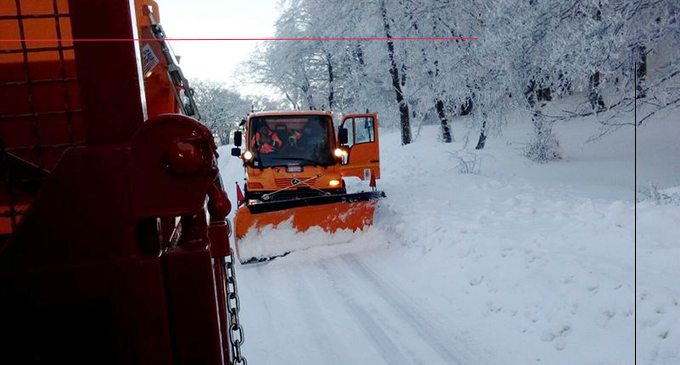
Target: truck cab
point(297, 154)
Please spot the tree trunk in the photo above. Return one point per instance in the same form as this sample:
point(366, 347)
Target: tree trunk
point(359, 54)
point(641, 71)
point(595, 97)
point(331, 95)
point(544, 146)
point(446, 129)
point(292, 103)
point(482, 137)
point(394, 72)
point(466, 108)
point(306, 89)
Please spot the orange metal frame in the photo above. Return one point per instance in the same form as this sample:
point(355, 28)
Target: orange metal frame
point(89, 271)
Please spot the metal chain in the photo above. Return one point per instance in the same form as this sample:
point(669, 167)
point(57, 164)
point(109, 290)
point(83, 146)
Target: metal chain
point(234, 306)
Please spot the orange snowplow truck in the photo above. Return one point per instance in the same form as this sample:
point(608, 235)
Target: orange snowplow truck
point(295, 167)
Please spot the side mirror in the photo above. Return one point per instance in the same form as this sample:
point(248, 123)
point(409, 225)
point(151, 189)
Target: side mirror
point(238, 139)
point(236, 152)
point(342, 136)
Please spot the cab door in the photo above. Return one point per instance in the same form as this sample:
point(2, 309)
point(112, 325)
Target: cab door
point(363, 158)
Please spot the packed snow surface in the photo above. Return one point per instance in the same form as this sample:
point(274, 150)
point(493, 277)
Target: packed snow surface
point(520, 264)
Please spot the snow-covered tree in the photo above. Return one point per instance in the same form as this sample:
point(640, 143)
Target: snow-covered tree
point(221, 109)
point(529, 53)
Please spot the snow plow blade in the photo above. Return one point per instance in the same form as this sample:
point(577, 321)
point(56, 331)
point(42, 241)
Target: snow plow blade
point(330, 213)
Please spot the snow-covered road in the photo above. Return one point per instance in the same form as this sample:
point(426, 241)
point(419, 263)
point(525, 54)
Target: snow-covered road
point(344, 309)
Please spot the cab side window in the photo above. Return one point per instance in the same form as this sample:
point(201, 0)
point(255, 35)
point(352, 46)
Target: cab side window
point(364, 130)
point(349, 125)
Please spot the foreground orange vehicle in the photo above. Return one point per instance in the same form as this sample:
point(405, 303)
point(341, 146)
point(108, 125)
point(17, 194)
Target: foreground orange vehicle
point(97, 167)
point(295, 167)
point(38, 128)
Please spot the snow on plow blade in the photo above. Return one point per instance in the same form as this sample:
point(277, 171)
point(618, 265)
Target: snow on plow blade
point(330, 213)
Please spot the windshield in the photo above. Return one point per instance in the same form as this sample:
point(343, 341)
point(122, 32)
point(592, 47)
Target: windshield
point(290, 140)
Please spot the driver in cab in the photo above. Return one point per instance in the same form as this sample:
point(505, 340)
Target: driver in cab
point(265, 140)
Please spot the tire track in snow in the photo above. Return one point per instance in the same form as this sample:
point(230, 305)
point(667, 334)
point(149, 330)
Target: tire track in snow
point(411, 314)
point(307, 298)
point(384, 344)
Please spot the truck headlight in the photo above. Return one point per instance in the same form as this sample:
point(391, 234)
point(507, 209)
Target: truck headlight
point(248, 155)
point(334, 182)
point(338, 152)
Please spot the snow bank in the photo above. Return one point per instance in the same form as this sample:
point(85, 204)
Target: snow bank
point(658, 284)
point(534, 267)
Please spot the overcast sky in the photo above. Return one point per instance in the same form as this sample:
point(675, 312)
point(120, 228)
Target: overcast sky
point(217, 60)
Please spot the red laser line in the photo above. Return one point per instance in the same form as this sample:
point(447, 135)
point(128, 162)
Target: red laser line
point(232, 39)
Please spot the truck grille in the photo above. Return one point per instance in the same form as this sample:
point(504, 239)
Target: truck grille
point(287, 181)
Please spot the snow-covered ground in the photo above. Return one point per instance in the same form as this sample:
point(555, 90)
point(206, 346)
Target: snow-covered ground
point(520, 264)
